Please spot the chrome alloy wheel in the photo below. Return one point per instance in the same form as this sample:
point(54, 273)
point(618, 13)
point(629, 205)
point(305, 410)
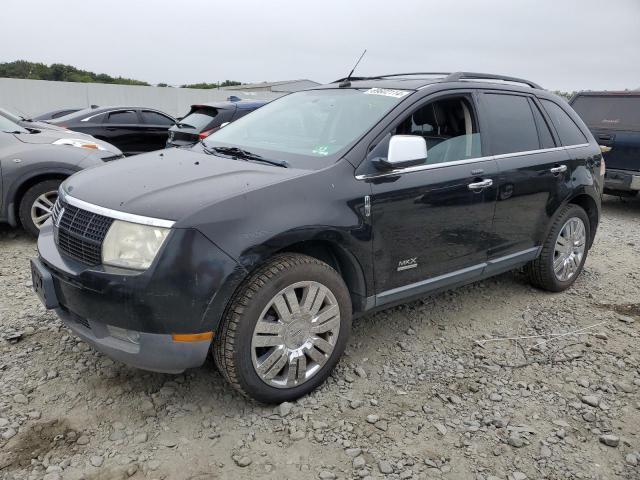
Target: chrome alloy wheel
point(295, 334)
point(42, 207)
point(569, 249)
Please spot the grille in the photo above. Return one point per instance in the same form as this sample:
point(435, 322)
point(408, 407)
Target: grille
point(79, 233)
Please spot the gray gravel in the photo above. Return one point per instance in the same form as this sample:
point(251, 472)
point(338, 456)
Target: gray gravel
point(426, 390)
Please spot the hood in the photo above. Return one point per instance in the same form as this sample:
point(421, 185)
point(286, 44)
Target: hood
point(49, 136)
point(171, 184)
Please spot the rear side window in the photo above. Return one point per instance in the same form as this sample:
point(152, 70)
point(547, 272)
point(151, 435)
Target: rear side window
point(568, 131)
point(511, 124)
point(155, 118)
point(546, 139)
point(127, 117)
point(95, 118)
point(611, 112)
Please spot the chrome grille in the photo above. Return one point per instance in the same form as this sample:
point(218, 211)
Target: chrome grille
point(79, 233)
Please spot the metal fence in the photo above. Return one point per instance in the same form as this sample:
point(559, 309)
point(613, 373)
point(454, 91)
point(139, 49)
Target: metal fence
point(33, 97)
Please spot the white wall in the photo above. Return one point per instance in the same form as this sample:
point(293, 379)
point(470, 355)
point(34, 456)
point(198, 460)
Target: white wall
point(33, 97)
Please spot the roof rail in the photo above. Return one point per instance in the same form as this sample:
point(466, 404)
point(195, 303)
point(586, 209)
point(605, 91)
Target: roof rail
point(380, 77)
point(409, 74)
point(454, 77)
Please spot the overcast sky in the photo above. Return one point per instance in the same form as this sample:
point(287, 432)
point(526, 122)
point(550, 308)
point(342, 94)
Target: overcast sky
point(561, 44)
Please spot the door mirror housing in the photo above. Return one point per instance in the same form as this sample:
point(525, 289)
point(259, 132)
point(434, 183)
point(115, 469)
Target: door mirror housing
point(404, 151)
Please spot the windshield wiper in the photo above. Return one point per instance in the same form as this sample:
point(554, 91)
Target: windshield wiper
point(236, 152)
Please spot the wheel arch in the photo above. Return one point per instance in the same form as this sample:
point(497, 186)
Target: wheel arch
point(589, 205)
point(340, 259)
point(20, 187)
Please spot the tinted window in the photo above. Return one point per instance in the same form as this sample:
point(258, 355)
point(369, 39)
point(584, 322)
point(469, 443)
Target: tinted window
point(546, 139)
point(155, 118)
point(568, 131)
point(609, 111)
point(199, 119)
point(127, 117)
point(511, 124)
point(448, 126)
point(95, 118)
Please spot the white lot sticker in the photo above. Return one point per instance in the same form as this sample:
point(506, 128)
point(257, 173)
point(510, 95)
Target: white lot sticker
point(387, 92)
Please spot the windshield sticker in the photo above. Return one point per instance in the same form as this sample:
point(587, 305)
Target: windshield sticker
point(387, 92)
point(321, 150)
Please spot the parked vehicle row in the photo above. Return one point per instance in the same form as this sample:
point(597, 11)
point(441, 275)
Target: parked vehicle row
point(318, 207)
point(32, 173)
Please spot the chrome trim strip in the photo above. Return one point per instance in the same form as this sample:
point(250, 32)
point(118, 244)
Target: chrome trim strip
point(501, 156)
point(442, 281)
point(116, 214)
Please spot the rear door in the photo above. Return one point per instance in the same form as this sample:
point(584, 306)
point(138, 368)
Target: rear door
point(534, 172)
point(614, 121)
point(155, 129)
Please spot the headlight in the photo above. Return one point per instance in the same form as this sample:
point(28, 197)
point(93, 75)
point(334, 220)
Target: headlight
point(132, 245)
point(77, 142)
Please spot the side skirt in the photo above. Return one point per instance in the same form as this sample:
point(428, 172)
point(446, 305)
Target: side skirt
point(450, 280)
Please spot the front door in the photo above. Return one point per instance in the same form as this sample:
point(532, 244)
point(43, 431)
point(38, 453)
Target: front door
point(432, 222)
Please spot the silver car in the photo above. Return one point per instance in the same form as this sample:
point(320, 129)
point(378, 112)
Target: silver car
point(33, 163)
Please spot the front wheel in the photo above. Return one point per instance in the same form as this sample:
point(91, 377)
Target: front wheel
point(284, 330)
point(36, 205)
point(563, 252)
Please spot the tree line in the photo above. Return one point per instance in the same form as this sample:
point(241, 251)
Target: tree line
point(59, 72)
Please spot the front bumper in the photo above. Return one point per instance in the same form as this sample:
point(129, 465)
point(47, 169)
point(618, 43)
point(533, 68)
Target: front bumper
point(621, 180)
point(152, 351)
point(174, 296)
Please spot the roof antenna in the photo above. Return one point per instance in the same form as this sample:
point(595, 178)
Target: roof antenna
point(347, 81)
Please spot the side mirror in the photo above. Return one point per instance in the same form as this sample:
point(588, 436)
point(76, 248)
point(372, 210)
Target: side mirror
point(404, 151)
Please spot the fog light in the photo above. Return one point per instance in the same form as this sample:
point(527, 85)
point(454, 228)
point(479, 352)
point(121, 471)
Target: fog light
point(130, 336)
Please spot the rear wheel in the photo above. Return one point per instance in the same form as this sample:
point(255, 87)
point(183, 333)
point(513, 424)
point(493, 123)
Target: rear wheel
point(284, 330)
point(36, 205)
point(563, 252)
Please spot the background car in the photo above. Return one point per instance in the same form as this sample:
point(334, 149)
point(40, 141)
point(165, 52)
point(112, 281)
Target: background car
point(57, 113)
point(33, 163)
point(133, 130)
point(205, 118)
point(28, 123)
point(614, 119)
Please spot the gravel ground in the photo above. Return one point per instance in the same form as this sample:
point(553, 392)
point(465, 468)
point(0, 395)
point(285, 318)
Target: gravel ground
point(426, 390)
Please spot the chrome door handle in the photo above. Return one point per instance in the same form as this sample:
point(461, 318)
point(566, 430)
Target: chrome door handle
point(480, 185)
point(560, 169)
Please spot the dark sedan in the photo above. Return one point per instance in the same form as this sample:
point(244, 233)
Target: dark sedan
point(204, 119)
point(133, 130)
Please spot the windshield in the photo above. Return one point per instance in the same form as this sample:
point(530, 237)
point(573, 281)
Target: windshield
point(613, 112)
point(7, 125)
point(310, 124)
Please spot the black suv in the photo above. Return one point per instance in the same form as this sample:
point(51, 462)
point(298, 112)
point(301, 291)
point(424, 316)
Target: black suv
point(263, 241)
point(614, 119)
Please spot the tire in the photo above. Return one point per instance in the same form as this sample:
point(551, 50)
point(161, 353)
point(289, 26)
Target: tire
point(237, 348)
point(34, 200)
point(541, 272)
